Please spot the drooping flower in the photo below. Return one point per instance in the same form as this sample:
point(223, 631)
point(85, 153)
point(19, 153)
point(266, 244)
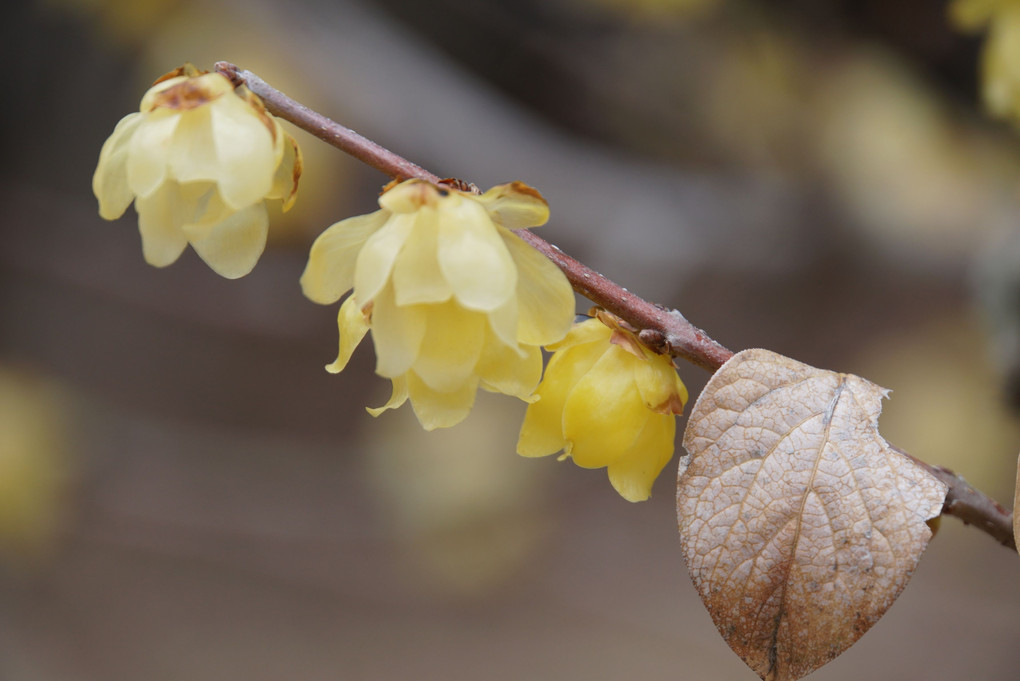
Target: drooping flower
point(1000, 57)
point(606, 400)
point(454, 299)
point(199, 160)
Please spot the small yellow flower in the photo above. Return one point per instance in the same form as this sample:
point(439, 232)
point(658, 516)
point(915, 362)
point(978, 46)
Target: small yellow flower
point(1000, 57)
point(606, 400)
point(199, 159)
point(454, 299)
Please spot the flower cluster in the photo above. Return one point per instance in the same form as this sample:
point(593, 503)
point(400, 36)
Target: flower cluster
point(454, 299)
point(607, 400)
point(1001, 54)
point(199, 159)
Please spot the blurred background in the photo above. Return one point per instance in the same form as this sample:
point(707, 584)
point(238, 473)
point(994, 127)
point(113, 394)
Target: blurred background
point(185, 493)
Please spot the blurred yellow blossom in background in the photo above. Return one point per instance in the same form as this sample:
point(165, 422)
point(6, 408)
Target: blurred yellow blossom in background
point(454, 299)
point(606, 400)
point(1001, 55)
point(199, 160)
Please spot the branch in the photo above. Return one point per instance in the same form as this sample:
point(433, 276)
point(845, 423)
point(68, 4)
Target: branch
point(661, 329)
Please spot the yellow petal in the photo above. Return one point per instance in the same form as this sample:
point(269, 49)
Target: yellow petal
point(416, 275)
point(245, 150)
point(353, 327)
point(516, 205)
point(397, 397)
point(436, 409)
point(149, 151)
point(971, 15)
point(235, 244)
point(544, 297)
point(109, 183)
point(397, 333)
point(633, 474)
point(604, 413)
point(503, 324)
point(451, 346)
point(159, 222)
point(472, 256)
point(542, 430)
point(330, 269)
point(288, 173)
point(192, 154)
point(410, 195)
point(658, 383)
point(377, 255)
point(503, 370)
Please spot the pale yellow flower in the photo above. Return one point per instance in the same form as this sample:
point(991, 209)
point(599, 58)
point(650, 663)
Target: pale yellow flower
point(454, 299)
point(1000, 57)
point(199, 160)
point(606, 400)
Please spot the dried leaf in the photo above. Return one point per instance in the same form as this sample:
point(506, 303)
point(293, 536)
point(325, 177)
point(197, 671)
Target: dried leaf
point(800, 525)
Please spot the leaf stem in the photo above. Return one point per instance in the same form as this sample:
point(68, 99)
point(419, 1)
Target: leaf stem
point(661, 329)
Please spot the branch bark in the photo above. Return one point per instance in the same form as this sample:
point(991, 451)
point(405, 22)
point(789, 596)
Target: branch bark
point(660, 328)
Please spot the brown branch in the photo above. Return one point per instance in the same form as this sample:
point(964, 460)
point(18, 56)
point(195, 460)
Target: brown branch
point(659, 328)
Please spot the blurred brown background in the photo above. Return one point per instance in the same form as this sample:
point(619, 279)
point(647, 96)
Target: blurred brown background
point(186, 494)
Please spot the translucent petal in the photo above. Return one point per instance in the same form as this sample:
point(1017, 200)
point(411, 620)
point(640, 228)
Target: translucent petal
point(632, 475)
point(409, 196)
point(234, 245)
point(451, 346)
point(154, 92)
point(201, 201)
point(416, 275)
point(245, 151)
point(109, 183)
point(330, 269)
point(397, 333)
point(503, 323)
point(516, 205)
point(473, 257)
point(379, 252)
point(353, 327)
point(149, 151)
point(657, 381)
point(159, 222)
point(192, 155)
point(288, 173)
point(545, 299)
point(397, 397)
point(604, 413)
point(588, 331)
point(438, 409)
point(503, 370)
point(542, 430)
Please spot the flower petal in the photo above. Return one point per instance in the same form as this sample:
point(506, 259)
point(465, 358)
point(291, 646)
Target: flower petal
point(397, 333)
point(542, 431)
point(436, 409)
point(503, 370)
point(658, 383)
point(516, 205)
point(451, 346)
point(288, 173)
point(245, 151)
point(235, 244)
point(353, 327)
point(632, 475)
point(159, 222)
point(379, 252)
point(472, 256)
point(192, 155)
point(604, 413)
point(149, 151)
point(397, 397)
point(109, 183)
point(544, 297)
point(330, 269)
point(416, 274)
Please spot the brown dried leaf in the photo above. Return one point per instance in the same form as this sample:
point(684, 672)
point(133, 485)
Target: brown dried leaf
point(800, 525)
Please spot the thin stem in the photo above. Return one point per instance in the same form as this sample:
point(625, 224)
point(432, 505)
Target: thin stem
point(659, 328)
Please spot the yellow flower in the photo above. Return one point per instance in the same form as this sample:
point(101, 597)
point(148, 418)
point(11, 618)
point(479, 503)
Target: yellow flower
point(606, 400)
point(199, 160)
point(1001, 54)
point(454, 299)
